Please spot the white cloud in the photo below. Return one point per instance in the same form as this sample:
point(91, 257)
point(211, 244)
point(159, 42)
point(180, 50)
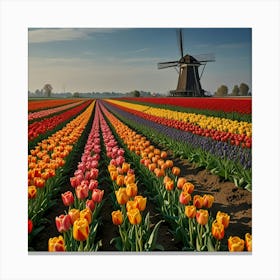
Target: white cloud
point(65, 34)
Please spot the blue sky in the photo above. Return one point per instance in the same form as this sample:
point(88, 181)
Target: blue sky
point(121, 60)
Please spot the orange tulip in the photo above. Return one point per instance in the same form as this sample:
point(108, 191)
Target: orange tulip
point(163, 154)
point(120, 180)
point(181, 181)
point(56, 244)
point(218, 230)
point(114, 174)
point(208, 200)
point(152, 166)
point(74, 215)
point(86, 214)
point(81, 229)
point(202, 216)
point(176, 171)
point(169, 185)
point(198, 201)
point(121, 196)
point(125, 167)
point(129, 178)
point(117, 217)
point(248, 242)
point(169, 163)
point(141, 202)
point(189, 187)
point(190, 211)
point(166, 179)
point(223, 218)
point(235, 244)
point(159, 172)
point(32, 191)
point(134, 216)
point(131, 190)
point(131, 204)
point(184, 197)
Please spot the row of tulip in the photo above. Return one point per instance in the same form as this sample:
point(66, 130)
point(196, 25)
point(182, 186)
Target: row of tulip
point(34, 105)
point(240, 105)
point(219, 129)
point(38, 128)
point(230, 162)
point(45, 160)
point(135, 233)
point(79, 226)
point(46, 112)
point(201, 231)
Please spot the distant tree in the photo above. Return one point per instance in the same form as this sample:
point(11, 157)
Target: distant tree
point(48, 89)
point(244, 89)
point(136, 93)
point(76, 95)
point(235, 91)
point(222, 91)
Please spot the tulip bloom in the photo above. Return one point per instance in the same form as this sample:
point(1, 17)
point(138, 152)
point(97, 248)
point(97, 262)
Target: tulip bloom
point(184, 197)
point(67, 198)
point(30, 226)
point(32, 191)
point(134, 216)
point(129, 178)
point(248, 242)
point(90, 204)
point(131, 190)
point(121, 196)
point(81, 192)
point(169, 185)
point(93, 184)
point(202, 216)
point(141, 202)
point(235, 244)
point(86, 214)
point(218, 230)
point(189, 187)
point(125, 167)
point(97, 195)
point(81, 229)
point(181, 181)
point(223, 218)
point(131, 204)
point(198, 201)
point(176, 171)
point(208, 200)
point(120, 180)
point(190, 211)
point(74, 215)
point(63, 223)
point(74, 181)
point(56, 244)
point(117, 217)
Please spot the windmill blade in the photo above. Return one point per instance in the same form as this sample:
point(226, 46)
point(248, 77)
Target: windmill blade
point(163, 65)
point(207, 57)
point(180, 42)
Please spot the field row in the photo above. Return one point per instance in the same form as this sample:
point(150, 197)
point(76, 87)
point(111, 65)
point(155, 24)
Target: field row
point(102, 159)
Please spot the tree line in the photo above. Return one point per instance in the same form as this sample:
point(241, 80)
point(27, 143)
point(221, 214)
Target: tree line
point(241, 90)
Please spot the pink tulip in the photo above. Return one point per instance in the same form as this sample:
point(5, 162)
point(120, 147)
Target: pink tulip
point(93, 184)
point(74, 182)
point(97, 195)
point(120, 160)
point(63, 223)
point(94, 164)
point(82, 192)
point(120, 152)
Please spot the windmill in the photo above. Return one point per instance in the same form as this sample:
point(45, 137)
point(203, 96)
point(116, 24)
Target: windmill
point(189, 78)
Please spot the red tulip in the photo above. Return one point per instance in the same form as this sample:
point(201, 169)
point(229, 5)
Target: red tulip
point(82, 192)
point(67, 198)
point(90, 204)
point(30, 226)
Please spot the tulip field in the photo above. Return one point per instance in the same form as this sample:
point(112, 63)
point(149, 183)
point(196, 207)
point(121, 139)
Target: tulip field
point(140, 174)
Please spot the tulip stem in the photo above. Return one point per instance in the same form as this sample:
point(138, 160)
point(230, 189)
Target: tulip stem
point(81, 247)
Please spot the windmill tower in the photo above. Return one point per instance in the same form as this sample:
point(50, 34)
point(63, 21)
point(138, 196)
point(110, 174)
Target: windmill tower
point(189, 78)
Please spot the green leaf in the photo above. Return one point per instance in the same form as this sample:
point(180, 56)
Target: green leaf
point(153, 237)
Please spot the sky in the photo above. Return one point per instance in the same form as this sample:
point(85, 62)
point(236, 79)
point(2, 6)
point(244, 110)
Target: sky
point(125, 59)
